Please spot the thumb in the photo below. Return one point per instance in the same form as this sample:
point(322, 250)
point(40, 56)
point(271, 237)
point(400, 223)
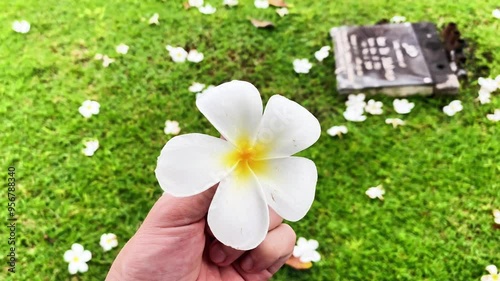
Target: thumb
point(170, 211)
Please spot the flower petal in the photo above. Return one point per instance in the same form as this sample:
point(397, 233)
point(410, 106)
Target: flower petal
point(191, 163)
point(77, 248)
point(86, 256)
point(68, 255)
point(287, 128)
point(234, 109)
point(238, 215)
point(492, 269)
point(290, 186)
point(83, 267)
point(73, 267)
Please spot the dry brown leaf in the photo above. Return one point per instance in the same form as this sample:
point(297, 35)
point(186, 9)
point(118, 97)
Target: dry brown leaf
point(261, 23)
point(278, 3)
point(186, 5)
point(297, 264)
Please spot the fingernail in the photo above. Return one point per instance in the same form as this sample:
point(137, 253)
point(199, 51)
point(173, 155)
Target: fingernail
point(247, 264)
point(217, 255)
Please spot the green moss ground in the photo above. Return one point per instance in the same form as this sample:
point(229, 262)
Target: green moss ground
point(441, 174)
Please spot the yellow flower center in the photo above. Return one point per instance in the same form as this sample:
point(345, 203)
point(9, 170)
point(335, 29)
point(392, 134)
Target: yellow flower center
point(76, 259)
point(248, 158)
point(495, 277)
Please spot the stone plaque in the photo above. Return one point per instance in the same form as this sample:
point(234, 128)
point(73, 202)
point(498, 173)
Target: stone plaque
point(393, 59)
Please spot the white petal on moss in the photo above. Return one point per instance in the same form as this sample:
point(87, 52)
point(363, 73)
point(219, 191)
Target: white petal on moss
point(230, 3)
point(195, 3)
point(302, 66)
point(154, 19)
point(282, 11)
point(403, 106)
point(195, 56)
point(122, 49)
point(196, 87)
point(290, 186)
point(234, 109)
point(21, 26)
point(287, 128)
point(336, 131)
point(188, 155)
point(207, 9)
point(374, 107)
point(238, 215)
point(261, 4)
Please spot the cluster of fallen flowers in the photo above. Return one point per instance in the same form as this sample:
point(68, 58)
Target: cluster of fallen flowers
point(77, 257)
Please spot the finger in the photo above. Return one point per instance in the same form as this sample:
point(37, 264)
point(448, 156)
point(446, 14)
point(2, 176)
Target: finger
point(277, 246)
point(223, 255)
point(170, 211)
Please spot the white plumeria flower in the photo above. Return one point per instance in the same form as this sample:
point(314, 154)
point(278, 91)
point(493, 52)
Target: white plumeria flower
point(122, 49)
point(108, 241)
point(195, 3)
point(495, 117)
point(207, 9)
point(302, 65)
point(403, 106)
point(496, 13)
point(230, 3)
point(484, 96)
point(354, 114)
point(374, 107)
point(155, 19)
point(337, 131)
point(21, 26)
point(261, 4)
point(195, 56)
point(77, 258)
point(305, 250)
point(210, 87)
point(488, 84)
point(252, 165)
point(282, 11)
point(322, 53)
point(172, 127)
point(376, 192)
point(356, 100)
point(90, 147)
point(106, 61)
point(196, 87)
point(496, 215)
point(493, 274)
point(89, 108)
point(395, 122)
point(454, 107)
point(398, 19)
point(178, 54)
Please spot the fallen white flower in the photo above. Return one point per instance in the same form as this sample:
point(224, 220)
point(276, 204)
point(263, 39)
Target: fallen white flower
point(172, 127)
point(195, 3)
point(90, 147)
point(398, 19)
point(98, 56)
point(356, 100)
point(454, 107)
point(395, 122)
point(488, 84)
point(155, 19)
point(178, 54)
point(108, 241)
point(252, 165)
point(122, 49)
point(376, 192)
point(484, 96)
point(495, 117)
point(496, 216)
point(261, 4)
point(305, 250)
point(230, 3)
point(374, 107)
point(106, 61)
point(196, 87)
point(21, 26)
point(496, 13)
point(302, 65)
point(354, 114)
point(207, 9)
point(89, 108)
point(403, 106)
point(77, 258)
point(337, 131)
point(282, 11)
point(322, 53)
point(493, 274)
point(195, 56)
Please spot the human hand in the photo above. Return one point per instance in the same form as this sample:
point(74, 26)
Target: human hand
point(175, 243)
